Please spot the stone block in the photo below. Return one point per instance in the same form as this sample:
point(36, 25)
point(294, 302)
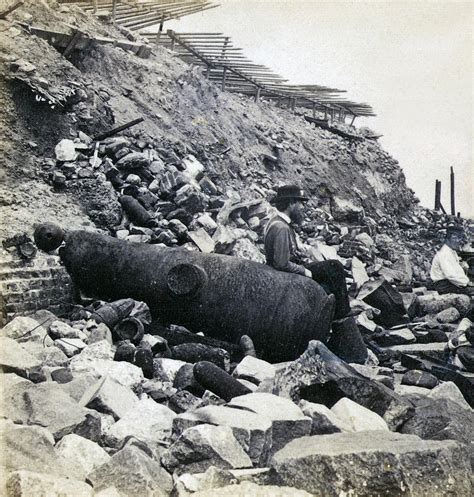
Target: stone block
point(148, 420)
point(448, 390)
point(16, 359)
point(24, 329)
point(27, 484)
point(202, 240)
point(359, 418)
point(288, 421)
point(205, 445)
point(254, 370)
point(419, 379)
point(110, 397)
point(323, 420)
point(374, 463)
point(166, 369)
point(252, 431)
point(70, 346)
point(82, 454)
point(132, 472)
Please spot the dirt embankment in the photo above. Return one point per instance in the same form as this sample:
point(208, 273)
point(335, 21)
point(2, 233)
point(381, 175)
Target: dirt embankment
point(183, 112)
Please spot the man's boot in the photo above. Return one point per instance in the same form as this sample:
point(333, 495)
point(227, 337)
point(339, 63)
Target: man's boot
point(346, 341)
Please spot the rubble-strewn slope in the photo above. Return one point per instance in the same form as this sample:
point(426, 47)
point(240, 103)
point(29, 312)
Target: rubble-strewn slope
point(182, 110)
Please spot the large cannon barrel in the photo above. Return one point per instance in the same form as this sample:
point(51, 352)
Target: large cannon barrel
point(223, 296)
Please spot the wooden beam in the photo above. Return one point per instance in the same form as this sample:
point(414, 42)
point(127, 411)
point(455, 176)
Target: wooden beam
point(453, 203)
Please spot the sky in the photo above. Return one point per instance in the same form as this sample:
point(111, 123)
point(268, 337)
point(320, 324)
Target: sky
point(412, 61)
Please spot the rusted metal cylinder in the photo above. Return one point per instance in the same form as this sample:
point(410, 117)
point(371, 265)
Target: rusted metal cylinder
point(224, 297)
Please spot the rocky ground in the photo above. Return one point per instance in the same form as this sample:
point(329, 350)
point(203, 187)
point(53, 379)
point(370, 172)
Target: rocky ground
point(89, 410)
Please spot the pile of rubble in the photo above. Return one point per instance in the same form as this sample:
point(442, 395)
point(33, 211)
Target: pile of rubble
point(96, 405)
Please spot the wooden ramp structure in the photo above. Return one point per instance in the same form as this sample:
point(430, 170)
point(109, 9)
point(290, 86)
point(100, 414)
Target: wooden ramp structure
point(140, 14)
point(226, 65)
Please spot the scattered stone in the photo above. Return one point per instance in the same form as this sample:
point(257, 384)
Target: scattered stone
point(434, 303)
point(146, 421)
point(441, 419)
point(70, 346)
point(376, 373)
point(319, 465)
point(65, 150)
point(246, 489)
point(99, 333)
point(24, 329)
point(449, 315)
point(110, 397)
point(252, 431)
point(203, 446)
point(15, 359)
point(132, 472)
point(186, 380)
point(359, 274)
point(60, 329)
point(166, 369)
point(183, 401)
point(133, 160)
point(31, 448)
point(449, 391)
point(254, 370)
point(324, 421)
point(320, 376)
point(288, 421)
point(191, 199)
point(420, 379)
point(402, 336)
point(202, 240)
point(82, 454)
point(48, 405)
point(358, 417)
point(27, 483)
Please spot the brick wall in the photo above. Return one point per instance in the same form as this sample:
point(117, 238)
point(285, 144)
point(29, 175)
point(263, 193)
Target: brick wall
point(25, 286)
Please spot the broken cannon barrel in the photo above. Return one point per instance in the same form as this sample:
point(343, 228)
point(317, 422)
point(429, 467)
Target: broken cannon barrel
point(225, 297)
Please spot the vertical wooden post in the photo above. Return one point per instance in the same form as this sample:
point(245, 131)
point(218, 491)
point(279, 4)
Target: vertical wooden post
point(208, 71)
point(257, 93)
point(437, 195)
point(453, 206)
point(325, 112)
point(172, 44)
point(353, 119)
point(94, 3)
point(224, 46)
point(160, 30)
point(224, 74)
point(114, 10)
point(314, 111)
point(293, 104)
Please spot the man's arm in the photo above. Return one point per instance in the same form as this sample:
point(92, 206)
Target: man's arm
point(281, 253)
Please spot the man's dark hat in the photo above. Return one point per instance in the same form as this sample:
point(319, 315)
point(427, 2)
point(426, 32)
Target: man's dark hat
point(292, 192)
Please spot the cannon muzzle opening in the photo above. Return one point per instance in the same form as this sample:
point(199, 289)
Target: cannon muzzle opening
point(48, 236)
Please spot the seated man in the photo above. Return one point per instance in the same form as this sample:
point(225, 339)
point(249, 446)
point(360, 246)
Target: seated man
point(282, 253)
point(446, 272)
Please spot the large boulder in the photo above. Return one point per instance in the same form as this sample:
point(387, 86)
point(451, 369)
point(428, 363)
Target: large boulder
point(47, 404)
point(434, 303)
point(202, 446)
point(255, 370)
point(27, 483)
point(323, 420)
point(374, 463)
point(448, 390)
point(247, 489)
point(16, 359)
point(148, 420)
point(441, 419)
point(82, 454)
point(24, 329)
point(320, 376)
point(31, 448)
point(252, 431)
point(288, 421)
point(132, 472)
point(359, 418)
point(110, 397)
